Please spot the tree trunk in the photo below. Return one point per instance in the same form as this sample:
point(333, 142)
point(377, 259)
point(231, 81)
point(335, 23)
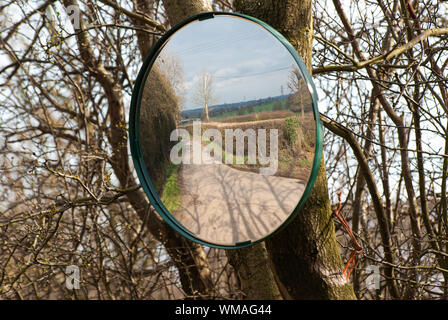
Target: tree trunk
point(305, 256)
point(178, 10)
point(145, 40)
point(253, 270)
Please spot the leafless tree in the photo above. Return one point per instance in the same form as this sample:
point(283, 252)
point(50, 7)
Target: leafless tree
point(384, 79)
point(204, 93)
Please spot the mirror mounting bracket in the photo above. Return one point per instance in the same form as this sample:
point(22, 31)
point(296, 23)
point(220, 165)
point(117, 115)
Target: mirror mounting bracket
point(206, 15)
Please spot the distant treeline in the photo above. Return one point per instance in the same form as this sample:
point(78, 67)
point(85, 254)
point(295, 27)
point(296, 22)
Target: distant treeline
point(218, 110)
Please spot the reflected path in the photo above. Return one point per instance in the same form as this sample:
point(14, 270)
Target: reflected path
point(225, 205)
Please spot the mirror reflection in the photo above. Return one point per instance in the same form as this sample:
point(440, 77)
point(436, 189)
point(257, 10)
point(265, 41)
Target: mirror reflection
point(227, 130)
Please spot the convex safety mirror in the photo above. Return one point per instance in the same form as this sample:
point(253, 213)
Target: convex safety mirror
point(224, 130)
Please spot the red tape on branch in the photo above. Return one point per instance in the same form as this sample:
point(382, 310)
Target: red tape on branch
point(352, 262)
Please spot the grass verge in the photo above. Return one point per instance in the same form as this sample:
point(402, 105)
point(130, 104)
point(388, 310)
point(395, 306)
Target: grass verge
point(171, 193)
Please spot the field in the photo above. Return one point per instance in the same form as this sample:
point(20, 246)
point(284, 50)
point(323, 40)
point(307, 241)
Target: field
point(254, 109)
point(296, 140)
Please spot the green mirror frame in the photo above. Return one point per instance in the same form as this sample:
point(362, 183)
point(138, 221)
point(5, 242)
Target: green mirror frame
point(134, 117)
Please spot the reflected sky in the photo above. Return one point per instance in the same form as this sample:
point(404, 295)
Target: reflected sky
point(247, 62)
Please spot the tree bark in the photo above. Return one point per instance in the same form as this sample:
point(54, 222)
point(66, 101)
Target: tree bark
point(145, 40)
point(305, 256)
point(178, 10)
point(254, 272)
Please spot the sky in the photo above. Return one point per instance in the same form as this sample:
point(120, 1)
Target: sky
point(246, 60)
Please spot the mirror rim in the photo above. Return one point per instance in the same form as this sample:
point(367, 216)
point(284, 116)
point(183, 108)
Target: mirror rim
point(134, 140)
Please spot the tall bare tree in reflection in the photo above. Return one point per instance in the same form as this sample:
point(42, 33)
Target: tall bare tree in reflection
point(204, 93)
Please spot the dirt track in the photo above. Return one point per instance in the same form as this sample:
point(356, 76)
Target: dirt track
point(225, 205)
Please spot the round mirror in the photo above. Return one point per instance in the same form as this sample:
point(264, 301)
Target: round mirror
point(224, 129)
